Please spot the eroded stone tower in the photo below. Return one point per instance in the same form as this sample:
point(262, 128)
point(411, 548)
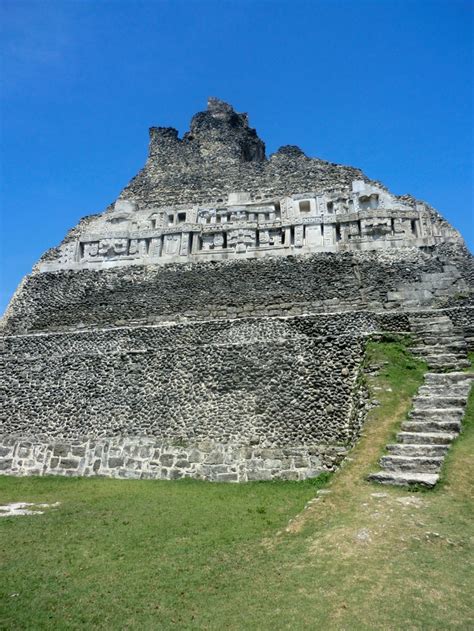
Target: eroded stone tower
point(212, 321)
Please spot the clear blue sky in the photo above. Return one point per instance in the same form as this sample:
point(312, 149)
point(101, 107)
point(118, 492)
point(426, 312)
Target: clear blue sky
point(383, 85)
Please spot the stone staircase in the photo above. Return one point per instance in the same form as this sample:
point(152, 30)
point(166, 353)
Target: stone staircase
point(438, 407)
point(439, 343)
point(433, 423)
point(433, 287)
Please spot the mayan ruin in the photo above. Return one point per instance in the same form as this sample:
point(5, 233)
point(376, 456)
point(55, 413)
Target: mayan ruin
point(212, 321)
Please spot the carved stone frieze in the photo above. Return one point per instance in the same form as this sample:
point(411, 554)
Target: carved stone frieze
point(200, 200)
point(365, 216)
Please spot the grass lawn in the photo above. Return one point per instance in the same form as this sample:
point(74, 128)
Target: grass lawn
point(194, 555)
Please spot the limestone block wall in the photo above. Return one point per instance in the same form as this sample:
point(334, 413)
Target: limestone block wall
point(149, 458)
point(243, 391)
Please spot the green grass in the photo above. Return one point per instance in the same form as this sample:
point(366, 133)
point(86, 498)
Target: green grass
point(195, 555)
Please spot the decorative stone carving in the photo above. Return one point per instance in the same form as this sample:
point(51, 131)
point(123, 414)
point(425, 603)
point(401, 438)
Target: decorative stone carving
point(185, 243)
point(125, 206)
point(155, 248)
point(240, 197)
point(299, 236)
point(91, 250)
point(207, 215)
point(219, 240)
point(207, 241)
point(301, 203)
point(275, 236)
point(171, 244)
point(106, 248)
point(133, 247)
point(366, 217)
point(376, 227)
point(314, 236)
point(241, 239)
point(264, 238)
point(138, 247)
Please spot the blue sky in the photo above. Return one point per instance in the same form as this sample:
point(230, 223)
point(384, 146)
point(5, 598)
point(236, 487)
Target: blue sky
point(383, 85)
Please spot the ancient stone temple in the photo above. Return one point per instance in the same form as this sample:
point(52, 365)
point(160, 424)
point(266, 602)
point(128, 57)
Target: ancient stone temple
point(212, 321)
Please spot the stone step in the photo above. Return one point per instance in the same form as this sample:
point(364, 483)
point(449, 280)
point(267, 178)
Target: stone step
point(444, 275)
point(441, 364)
point(447, 367)
point(430, 329)
point(431, 426)
point(440, 403)
point(442, 360)
point(426, 438)
point(411, 303)
point(426, 322)
point(417, 449)
point(436, 340)
point(422, 464)
point(460, 389)
point(404, 478)
point(451, 269)
point(434, 422)
point(435, 414)
point(446, 355)
point(432, 318)
point(442, 347)
point(451, 377)
point(449, 355)
point(412, 293)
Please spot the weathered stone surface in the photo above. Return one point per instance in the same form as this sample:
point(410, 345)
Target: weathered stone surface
point(211, 322)
point(213, 194)
point(421, 446)
point(233, 467)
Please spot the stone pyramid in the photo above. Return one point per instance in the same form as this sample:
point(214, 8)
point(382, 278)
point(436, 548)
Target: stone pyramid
point(212, 321)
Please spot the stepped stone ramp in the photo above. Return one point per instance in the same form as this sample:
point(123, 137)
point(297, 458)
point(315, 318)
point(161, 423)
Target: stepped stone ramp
point(434, 422)
point(439, 342)
point(432, 287)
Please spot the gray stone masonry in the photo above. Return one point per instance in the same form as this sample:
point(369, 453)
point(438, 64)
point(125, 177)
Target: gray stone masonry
point(434, 422)
point(260, 394)
point(149, 458)
point(440, 344)
point(212, 321)
point(290, 286)
point(213, 195)
point(436, 415)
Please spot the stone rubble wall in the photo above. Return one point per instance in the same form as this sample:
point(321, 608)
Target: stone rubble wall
point(222, 154)
point(235, 401)
point(259, 382)
point(241, 400)
point(254, 287)
point(202, 333)
point(281, 175)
